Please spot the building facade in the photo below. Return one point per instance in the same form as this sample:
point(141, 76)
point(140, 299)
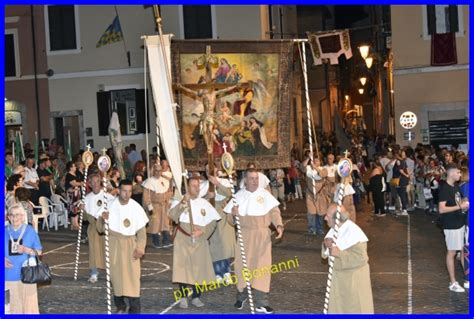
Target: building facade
point(438, 95)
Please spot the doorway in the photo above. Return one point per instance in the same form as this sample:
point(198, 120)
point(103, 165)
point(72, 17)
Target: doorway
point(71, 123)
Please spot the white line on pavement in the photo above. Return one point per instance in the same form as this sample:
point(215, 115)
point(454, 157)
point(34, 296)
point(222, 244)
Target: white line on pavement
point(59, 248)
point(98, 287)
point(410, 279)
point(325, 273)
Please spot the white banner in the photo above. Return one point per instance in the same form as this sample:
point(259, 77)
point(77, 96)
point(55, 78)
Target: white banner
point(165, 117)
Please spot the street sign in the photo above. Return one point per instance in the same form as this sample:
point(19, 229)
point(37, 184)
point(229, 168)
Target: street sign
point(408, 136)
point(408, 120)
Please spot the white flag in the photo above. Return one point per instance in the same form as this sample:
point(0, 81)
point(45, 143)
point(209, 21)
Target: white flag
point(165, 117)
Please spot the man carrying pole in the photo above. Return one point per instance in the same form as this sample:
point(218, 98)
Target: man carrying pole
point(127, 221)
point(257, 209)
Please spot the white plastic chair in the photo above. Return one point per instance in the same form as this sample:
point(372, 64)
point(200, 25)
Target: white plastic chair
point(45, 211)
point(60, 206)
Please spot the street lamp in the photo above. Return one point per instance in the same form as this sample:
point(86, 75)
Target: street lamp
point(361, 91)
point(364, 51)
point(369, 62)
point(346, 97)
point(363, 80)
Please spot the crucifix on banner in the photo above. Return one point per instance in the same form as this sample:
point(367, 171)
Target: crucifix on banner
point(209, 92)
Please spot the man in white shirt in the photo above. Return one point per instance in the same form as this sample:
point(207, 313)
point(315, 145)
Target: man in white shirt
point(31, 180)
point(134, 156)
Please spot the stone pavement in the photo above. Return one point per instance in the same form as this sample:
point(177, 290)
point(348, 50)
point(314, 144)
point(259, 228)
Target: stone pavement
point(299, 290)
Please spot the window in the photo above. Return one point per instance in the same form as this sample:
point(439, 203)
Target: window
point(442, 19)
point(62, 29)
point(449, 131)
point(197, 22)
point(130, 107)
point(12, 57)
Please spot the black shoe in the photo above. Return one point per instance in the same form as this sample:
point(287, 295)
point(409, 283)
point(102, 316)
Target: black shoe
point(121, 311)
point(156, 240)
point(240, 304)
point(265, 309)
point(167, 239)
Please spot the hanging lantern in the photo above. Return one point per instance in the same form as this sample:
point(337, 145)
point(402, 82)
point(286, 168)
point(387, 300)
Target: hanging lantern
point(364, 51)
point(363, 80)
point(369, 62)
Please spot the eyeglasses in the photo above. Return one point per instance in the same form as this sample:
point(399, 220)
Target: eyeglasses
point(15, 215)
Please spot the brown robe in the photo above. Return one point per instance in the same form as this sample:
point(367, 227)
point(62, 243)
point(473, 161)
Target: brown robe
point(96, 244)
point(348, 203)
point(222, 241)
point(192, 263)
point(125, 271)
point(258, 248)
point(321, 203)
point(159, 220)
point(351, 289)
point(23, 297)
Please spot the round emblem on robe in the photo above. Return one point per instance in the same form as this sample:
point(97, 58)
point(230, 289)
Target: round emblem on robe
point(126, 222)
point(260, 200)
point(99, 203)
point(203, 212)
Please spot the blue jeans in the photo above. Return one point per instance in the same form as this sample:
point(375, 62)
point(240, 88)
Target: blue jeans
point(315, 224)
point(221, 267)
point(94, 271)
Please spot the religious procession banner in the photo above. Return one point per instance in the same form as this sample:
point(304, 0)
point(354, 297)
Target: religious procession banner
point(165, 118)
point(234, 96)
point(330, 45)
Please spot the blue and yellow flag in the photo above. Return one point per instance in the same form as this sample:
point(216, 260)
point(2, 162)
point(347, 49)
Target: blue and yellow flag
point(112, 34)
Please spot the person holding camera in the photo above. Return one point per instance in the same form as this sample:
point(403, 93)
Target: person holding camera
point(21, 242)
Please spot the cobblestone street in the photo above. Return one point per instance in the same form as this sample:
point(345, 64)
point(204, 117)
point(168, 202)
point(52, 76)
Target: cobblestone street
point(299, 290)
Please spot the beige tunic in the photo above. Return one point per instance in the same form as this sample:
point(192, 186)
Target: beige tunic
point(222, 241)
point(321, 203)
point(258, 248)
point(159, 218)
point(192, 263)
point(23, 297)
point(96, 244)
point(351, 289)
point(125, 271)
point(348, 203)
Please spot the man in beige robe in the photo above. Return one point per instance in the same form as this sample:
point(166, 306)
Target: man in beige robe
point(93, 208)
point(257, 209)
point(351, 289)
point(316, 196)
point(192, 263)
point(222, 241)
point(156, 195)
point(127, 240)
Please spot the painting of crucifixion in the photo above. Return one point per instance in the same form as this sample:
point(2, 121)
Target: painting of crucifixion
point(231, 99)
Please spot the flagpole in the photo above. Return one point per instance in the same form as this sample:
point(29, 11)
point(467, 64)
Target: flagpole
point(21, 144)
point(36, 148)
point(123, 39)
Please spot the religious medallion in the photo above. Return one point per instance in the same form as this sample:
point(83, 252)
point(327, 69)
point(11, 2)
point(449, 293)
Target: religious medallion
point(203, 212)
point(126, 222)
point(99, 203)
point(87, 158)
point(260, 199)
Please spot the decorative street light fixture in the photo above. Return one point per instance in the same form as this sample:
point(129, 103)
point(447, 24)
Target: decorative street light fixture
point(369, 62)
point(364, 51)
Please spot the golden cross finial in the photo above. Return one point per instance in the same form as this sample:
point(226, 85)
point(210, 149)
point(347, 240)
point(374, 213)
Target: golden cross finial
point(346, 153)
point(88, 147)
point(224, 147)
point(104, 151)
